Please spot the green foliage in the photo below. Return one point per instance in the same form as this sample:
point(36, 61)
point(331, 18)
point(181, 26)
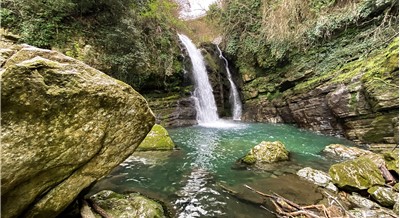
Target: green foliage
point(133, 41)
point(264, 33)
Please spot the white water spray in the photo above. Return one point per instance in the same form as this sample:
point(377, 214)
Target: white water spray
point(234, 94)
point(205, 103)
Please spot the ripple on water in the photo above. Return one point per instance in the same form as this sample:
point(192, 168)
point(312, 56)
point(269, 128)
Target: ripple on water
point(188, 178)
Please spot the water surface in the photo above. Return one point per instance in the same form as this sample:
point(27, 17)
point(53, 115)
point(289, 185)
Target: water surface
point(190, 180)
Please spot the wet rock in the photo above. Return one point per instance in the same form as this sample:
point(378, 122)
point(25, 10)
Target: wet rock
point(345, 151)
point(267, 152)
point(128, 205)
point(288, 186)
point(358, 174)
point(157, 139)
point(64, 126)
point(383, 195)
point(174, 110)
point(317, 177)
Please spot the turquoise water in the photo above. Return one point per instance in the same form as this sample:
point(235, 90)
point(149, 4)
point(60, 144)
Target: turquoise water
point(189, 179)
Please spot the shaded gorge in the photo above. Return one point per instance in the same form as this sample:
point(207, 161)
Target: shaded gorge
point(193, 180)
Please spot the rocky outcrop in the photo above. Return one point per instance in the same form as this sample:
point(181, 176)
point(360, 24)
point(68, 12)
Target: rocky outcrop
point(157, 139)
point(218, 77)
point(173, 110)
point(128, 205)
point(331, 88)
point(64, 126)
point(266, 152)
point(355, 175)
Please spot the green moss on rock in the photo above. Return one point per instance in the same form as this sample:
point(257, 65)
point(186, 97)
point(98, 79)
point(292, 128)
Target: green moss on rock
point(392, 160)
point(249, 159)
point(129, 205)
point(157, 139)
point(383, 195)
point(358, 174)
point(267, 152)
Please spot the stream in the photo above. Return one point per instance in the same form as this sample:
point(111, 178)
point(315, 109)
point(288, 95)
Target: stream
point(190, 180)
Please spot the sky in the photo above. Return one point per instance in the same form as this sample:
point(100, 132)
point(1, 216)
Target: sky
point(192, 9)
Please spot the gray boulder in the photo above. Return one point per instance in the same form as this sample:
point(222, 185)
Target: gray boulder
point(64, 126)
point(344, 151)
point(317, 177)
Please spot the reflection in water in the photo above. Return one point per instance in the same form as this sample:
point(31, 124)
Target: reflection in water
point(197, 197)
point(189, 178)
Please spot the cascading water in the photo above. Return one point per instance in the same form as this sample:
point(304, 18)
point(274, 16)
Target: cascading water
point(234, 94)
point(205, 103)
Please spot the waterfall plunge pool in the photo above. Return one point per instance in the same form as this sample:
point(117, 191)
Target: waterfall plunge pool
point(192, 181)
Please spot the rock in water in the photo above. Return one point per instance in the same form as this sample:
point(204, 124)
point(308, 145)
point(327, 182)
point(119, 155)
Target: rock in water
point(267, 152)
point(129, 205)
point(64, 126)
point(157, 139)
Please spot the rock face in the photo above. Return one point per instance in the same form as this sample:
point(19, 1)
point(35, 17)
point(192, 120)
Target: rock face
point(129, 205)
point(359, 174)
point(173, 110)
point(267, 152)
point(157, 139)
point(64, 126)
point(331, 89)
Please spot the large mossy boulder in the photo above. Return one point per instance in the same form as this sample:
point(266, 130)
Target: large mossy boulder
point(128, 205)
point(358, 174)
point(157, 139)
point(64, 126)
point(266, 152)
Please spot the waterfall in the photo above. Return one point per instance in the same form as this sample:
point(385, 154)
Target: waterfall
point(203, 94)
point(234, 97)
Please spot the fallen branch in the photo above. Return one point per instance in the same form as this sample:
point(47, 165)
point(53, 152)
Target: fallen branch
point(287, 208)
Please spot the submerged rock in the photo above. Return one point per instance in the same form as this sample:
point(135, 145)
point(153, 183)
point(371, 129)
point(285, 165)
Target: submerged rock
point(157, 139)
point(64, 126)
point(317, 177)
point(266, 152)
point(129, 205)
point(359, 174)
point(345, 152)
